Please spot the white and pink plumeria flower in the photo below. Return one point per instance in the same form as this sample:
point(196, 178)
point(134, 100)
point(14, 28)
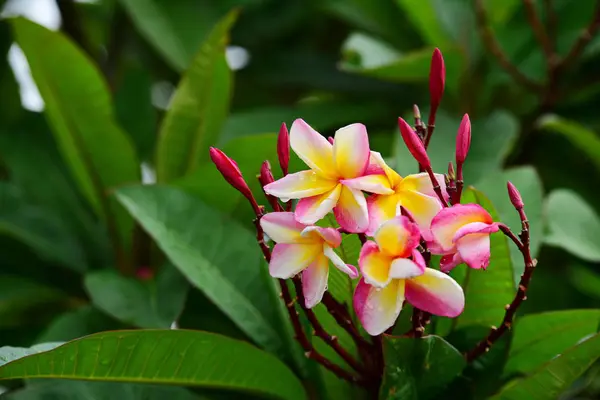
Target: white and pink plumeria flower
point(461, 233)
point(305, 249)
point(393, 271)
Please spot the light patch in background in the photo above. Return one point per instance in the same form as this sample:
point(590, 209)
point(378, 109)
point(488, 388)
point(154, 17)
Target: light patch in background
point(45, 13)
point(148, 174)
point(237, 57)
point(161, 94)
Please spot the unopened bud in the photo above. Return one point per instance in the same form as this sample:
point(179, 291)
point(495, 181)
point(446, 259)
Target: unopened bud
point(437, 81)
point(230, 171)
point(414, 144)
point(451, 173)
point(283, 148)
point(416, 112)
point(266, 177)
point(463, 140)
point(515, 196)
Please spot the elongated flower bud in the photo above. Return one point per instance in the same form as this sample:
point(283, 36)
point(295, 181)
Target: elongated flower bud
point(437, 81)
point(283, 149)
point(515, 196)
point(463, 140)
point(451, 173)
point(414, 144)
point(230, 171)
point(266, 177)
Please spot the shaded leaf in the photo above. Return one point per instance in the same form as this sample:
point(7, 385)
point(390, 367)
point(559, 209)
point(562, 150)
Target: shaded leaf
point(8, 353)
point(73, 324)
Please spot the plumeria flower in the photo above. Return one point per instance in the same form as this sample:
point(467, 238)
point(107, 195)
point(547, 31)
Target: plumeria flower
point(327, 185)
point(394, 271)
point(462, 234)
point(413, 192)
point(306, 249)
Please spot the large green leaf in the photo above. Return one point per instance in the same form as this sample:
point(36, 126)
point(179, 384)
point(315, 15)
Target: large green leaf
point(215, 254)
point(557, 375)
point(573, 225)
point(540, 337)
point(78, 107)
point(527, 180)
point(198, 109)
point(423, 16)
point(175, 357)
point(418, 368)
point(152, 303)
point(487, 291)
point(8, 353)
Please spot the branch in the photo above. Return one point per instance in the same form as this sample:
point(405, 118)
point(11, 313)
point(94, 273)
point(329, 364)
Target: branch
point(491, 43)
point(584, 39)
point(539, 31)
point(552, 23)
point(342, 317)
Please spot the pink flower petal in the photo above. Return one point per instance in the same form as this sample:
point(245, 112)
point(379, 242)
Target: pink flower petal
point(422, 184)
point(289, 259)
point(351, 150)
point(422, 208)
point(337, 261)
point(351, 210)
point(374, 265)
point(311, 209)
point(436, 293)
point(319, 234)
point(314, 281)
point(397, 237)
point(474, 249)
point(299, 185)
point(418, 259)
point(378, 184)
point(449, 220)
point(313, 149)
point(475, 227)
point(282, 227)
point(381, 208)
point(378, 309)
point(450, 261)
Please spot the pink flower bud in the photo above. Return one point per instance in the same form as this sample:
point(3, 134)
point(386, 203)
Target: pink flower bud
point(463, 140)
point(515, 196)
point(230, 171)
point(266, 176)
point(414, 144)
point(283, 148)
point(437, 80)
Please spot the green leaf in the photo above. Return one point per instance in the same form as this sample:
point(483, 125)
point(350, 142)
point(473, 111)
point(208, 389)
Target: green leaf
point(153, 303)
point(215, 254)
point(418, 368)
point(424, 18)
point(38, 229)
point(175, 357)
point(557, 375)
point(98, 153)
point(198, 109)
point(573, 225)
point(487, 291)
point(8, 353)
point(539, 338)
point(527, 180)
point(586, 141)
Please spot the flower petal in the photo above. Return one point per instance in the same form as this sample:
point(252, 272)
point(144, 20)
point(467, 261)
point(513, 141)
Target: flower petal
point(422, 208)
point(351, 150)
point(313, 149)
point(474, 249)
point(378, 165)
point(422, 184)
point(319, 234)
point(436, 293)
point(282, 227)
point(381, 208)
point(351, 210)
point(378, 309)
point(289, 259)
point(369, 183)
point(449, 220)
point(397, 237)
point(449, 261)
point(314, 281)
point(475, 227)
point(299, 185)
point(348, 269)
point(311, 209)
point(404, 268)
point(374, 265)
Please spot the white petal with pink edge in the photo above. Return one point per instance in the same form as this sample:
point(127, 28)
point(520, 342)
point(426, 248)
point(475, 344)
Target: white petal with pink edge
point(378, 184)
point(374, 265)
point(314, 281)
point(404, 268)
point(449, 220)
point(319, 234)
point(310, 210)
point(289, 259)
point(282, 227)
point(351, 210)
point(337, 261)
point(313, 149)
point(474, 250)
point(351, 150)
point(436, 293)
point(378, 309)
point(381, 208)
point(397, 237)
point(299, 185)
